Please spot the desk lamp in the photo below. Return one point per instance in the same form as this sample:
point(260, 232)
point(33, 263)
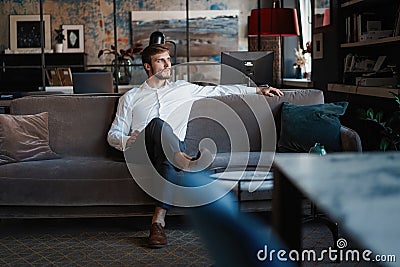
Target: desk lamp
point(275, 21)
point(158, 37)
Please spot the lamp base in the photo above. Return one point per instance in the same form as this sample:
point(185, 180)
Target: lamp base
point(269, 44)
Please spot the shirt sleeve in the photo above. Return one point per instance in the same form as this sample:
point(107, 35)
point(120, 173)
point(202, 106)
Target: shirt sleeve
point(119, 132)
point(220, 90)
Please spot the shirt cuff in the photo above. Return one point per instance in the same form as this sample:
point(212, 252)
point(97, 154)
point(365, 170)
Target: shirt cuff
point(124, 141)
point(251, 90)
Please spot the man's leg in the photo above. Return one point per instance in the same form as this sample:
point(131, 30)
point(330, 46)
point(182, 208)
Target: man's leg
point(156, 131)
point(163, 146)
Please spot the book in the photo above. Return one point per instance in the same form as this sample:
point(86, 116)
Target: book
point(355, 63)
point(59, 76)
point(53, 77)
point(374, 25)
point(65, 76)
point(396, 28)
point(362, 21)
point(372, 35)
point(347, 62)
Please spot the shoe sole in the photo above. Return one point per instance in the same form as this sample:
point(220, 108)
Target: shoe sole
point(156, 245)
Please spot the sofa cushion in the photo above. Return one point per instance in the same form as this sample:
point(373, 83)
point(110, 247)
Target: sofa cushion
point(304, 125)
point(70, 181)
point(78, 124)
point(24, 138)
point(204, 125)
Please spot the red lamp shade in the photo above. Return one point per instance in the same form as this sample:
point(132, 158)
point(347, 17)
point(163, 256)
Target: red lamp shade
point(274, 22)
point(327, 17)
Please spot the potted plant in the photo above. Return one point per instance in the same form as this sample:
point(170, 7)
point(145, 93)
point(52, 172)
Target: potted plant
point(300, 62)
point(389, 129)
point(60, 37)
point(124, 61)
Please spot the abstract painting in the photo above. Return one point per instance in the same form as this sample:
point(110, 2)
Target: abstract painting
point(211, 31)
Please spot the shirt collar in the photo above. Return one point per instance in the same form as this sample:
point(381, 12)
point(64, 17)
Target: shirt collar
point(145, 85)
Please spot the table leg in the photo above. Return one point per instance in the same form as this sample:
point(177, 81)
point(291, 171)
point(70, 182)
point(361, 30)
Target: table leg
point(286, 211)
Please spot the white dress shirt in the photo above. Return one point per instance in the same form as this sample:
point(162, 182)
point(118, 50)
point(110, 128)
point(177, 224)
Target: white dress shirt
point(171, 103)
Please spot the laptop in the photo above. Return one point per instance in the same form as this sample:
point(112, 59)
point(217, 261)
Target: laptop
point(92, 82)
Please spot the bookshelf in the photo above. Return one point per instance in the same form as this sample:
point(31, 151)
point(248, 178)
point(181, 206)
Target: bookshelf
point(367, 33)
point(362, 90)
point(350, 3)
point(342, 81)
point(22, 72)
point(372, 42)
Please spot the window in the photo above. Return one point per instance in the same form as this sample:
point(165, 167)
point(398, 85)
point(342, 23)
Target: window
point(306, 27)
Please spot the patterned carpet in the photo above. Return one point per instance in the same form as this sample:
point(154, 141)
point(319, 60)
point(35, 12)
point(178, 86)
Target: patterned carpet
point(96, 242)
point(116, 242)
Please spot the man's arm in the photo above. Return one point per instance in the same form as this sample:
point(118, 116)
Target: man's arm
point(118, 135)
point(234, 89)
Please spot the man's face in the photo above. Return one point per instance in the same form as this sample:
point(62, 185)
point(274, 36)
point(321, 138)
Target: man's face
point(161, 66)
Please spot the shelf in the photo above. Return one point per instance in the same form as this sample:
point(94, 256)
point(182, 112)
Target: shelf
point(69, 89)
point(350, 3)
point(356, 2)
point(362, 90)
point(372, 42)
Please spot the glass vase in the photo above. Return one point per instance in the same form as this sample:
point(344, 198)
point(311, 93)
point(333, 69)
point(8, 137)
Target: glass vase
point(299, 73)
point(123, 71)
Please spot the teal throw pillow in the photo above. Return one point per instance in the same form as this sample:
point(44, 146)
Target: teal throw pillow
point(303, 126)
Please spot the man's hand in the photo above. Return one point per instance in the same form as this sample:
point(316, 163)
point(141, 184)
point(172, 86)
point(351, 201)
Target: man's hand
point(133, 137)
point(269, 91)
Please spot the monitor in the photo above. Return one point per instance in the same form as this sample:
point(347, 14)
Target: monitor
point(92, 82)
point(254, 65)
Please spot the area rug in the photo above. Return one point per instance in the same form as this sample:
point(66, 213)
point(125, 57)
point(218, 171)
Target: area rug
point(96, 243)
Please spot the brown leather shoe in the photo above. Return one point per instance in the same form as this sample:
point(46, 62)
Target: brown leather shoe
point(157, 237)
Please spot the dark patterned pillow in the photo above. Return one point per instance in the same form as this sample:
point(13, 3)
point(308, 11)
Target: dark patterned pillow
point(303, 126)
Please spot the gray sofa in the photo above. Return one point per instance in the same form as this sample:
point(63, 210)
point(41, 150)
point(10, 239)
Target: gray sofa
point(91, 179)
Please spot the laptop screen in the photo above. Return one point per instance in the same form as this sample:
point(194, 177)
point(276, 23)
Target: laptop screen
point(92, 82)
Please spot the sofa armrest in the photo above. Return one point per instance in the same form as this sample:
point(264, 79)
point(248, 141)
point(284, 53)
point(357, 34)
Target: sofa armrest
point(350, 140)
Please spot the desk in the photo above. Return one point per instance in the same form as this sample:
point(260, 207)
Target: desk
point(6, 98)
point(298, 83)
point(69, 89)
point(4, 106)
point(361, 191)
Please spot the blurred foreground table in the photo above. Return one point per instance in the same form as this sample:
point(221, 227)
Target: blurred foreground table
point(360, 191)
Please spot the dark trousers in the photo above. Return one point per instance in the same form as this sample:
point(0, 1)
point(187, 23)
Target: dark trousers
point(233, 237)
point(160, 141)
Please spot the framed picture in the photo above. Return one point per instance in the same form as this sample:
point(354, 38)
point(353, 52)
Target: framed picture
point(74, 39)
point(318, 46)
point(25, 33)
point(322, 13)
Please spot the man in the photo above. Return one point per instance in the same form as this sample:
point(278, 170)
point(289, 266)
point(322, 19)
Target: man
point(161, 108)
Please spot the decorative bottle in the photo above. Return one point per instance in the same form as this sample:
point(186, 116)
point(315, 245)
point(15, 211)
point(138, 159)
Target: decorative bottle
point(317, 149)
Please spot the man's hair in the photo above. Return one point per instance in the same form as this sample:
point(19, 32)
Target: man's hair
point(152, 50)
